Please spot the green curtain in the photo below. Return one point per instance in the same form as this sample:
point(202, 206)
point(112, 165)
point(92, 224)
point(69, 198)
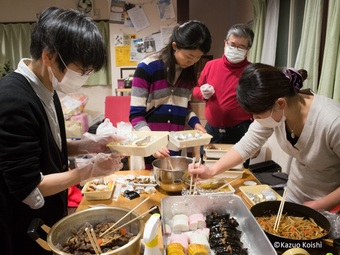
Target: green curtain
point(260, 7)
point(330, 73)
point(15, 44)
point(102, 77)
point(309, 48)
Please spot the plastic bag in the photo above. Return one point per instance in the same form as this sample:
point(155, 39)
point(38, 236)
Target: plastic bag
point(73, 104)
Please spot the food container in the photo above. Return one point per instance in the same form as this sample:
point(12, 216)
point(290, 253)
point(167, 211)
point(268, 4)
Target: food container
point(211, 161)
point(215, 150)
point(271, 207)
point(255, 194)
point(171, 173)
point(189, 138)
point(99, 189)
point(61, 231)
point(253, 238)
point(154, 141)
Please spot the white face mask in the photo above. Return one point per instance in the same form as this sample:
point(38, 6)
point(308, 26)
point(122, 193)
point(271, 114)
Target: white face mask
point(269, 122)
point(233, 54)
point(71, 82)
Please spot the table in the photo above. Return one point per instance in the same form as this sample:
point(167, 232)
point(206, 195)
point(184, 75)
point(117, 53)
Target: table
point(121, 91)
point(158, 195)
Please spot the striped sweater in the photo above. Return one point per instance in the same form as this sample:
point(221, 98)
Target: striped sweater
point(157, 105)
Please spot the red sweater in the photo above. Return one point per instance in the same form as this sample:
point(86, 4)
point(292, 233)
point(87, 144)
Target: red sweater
point(222, 109)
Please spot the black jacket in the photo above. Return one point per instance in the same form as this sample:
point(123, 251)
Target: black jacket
point(27, 147)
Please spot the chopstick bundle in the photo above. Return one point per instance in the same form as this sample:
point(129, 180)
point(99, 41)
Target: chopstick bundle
point(132, 210)
point(93, 240)
point(279, 214)
point(140, 216)
point(191, 178)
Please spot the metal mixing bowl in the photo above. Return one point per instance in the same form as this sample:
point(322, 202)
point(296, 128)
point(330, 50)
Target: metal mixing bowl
point(171, 179)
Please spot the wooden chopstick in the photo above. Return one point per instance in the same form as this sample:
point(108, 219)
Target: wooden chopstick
point(171, 167)
point(93, 241)
point(195, 186)
point(191, 178)
point(96, 241)
point(106, 231)
point(140, 216)
point(226, 184)
point(279, 214)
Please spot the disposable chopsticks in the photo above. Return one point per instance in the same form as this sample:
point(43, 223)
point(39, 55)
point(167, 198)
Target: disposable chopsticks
point(106, 231)
point(192, 177)
point(279, 214)
point(171, 167)
point(140, 216)
point(195, 186)
point(93, 239)
point(226, 184)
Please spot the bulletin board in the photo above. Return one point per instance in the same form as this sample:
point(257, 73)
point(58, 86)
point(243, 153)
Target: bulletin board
point(144, 28)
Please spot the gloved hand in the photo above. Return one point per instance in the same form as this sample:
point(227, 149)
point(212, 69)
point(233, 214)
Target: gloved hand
point(207, 91)
point(91, 143)
point(99, 166)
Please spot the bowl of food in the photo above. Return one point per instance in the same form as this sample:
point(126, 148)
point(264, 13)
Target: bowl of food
point(171, 173)
point(68, 235)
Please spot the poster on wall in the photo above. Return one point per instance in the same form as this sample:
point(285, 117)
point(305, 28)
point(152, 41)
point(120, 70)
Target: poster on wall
point(166, 9)
point(137, 52)
point(123, 56)
point(138, 18)
point(117, 12)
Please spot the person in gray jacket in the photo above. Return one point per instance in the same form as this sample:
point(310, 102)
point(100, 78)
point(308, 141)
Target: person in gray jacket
point(306, 126)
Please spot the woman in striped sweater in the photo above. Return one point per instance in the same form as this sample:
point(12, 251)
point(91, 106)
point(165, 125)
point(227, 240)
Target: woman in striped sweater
point(163, 82)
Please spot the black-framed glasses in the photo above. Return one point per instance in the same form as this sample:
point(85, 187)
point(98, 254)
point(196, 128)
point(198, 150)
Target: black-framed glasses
point(83, 72)
point(238, 47)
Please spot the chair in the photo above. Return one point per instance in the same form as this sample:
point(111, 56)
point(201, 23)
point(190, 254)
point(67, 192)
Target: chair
point(117, 109)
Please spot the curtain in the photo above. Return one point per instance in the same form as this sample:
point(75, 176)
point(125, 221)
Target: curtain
point(270, 33)
point(258, 28)
point(329, 84)
point(15, 43)
point(309, 48)
point(102, 77)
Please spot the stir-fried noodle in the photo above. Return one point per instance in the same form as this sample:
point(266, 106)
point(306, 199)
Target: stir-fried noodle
point(292, 227)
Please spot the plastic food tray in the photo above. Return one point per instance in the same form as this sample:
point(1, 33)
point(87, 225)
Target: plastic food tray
point(99, 195)
point(158, 140)
point(253, 237)
point(202, 140)
point(216, 151)
point(256, 190)
point(209, 162)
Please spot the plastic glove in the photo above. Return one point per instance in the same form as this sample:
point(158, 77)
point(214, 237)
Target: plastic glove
point(207, 91)
point(91, 143)
point(99, 166)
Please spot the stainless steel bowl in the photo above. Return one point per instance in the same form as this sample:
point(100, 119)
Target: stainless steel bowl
point(171, 179)
point(62, 229)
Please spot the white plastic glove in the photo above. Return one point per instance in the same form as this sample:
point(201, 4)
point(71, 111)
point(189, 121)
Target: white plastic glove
point(99, 166)
point(207, 91)
point(91, 143)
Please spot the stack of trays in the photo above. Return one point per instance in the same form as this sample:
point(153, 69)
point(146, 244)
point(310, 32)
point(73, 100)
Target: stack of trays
point(214, 152)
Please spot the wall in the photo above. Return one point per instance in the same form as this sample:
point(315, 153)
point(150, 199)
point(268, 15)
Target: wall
point(151, 11)
point(219, 16)
point(25, 11)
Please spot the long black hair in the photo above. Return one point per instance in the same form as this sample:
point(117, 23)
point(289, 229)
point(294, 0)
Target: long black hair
point(191, 35)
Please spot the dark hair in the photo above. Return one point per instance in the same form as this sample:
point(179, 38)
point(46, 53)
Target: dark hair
point(242, 30)
point(261, 85)
point(74, 35)
point(191, 35)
